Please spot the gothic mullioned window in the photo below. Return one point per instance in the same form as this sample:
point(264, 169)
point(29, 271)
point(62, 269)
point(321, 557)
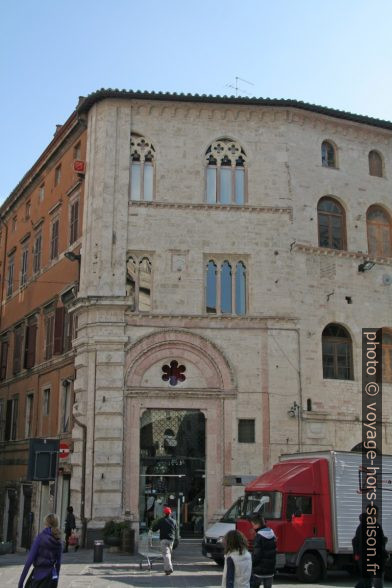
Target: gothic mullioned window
point(225, 173)
point(139, 282)
point(379, 231)
point(142, 169)
point(226, 291)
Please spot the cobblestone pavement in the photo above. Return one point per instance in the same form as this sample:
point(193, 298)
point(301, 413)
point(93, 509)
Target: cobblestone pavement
point(192, 570)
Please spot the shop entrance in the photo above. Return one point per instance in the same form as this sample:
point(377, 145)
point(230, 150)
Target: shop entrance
point(172, 468)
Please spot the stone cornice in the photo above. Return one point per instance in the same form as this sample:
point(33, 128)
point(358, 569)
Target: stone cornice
point(321, 251)
point(213, 207)
point(171, 321)
point(177, 393)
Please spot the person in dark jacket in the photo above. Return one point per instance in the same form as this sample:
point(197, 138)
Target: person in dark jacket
point(45, 556)
point(70, 525)
point(264, 553)
point(167, 527)
point(359, 548)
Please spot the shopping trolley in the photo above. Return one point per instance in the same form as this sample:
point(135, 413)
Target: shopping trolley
point(149, 548)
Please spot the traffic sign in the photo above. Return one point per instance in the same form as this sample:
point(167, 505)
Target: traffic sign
point(64, 451)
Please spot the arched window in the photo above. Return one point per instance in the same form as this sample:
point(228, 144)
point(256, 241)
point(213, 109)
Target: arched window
point(337, 353)
point(375, 164)
point(387, 355)
point(379, 232)
point(331, 224)
point(328, 154)
point(226, 173)
point(229, 292)
point(142, 169)
point(139, 282)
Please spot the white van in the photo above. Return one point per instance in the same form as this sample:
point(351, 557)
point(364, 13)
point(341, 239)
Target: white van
point(212, 545)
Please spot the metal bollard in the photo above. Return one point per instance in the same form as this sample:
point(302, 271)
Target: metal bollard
point(98, 551)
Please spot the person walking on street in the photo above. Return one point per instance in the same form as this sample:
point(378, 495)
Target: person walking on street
point(359, 549)
point(238, 561)
point(45, 556)
point(70, 525)
point(264, 553)
point(167, 527)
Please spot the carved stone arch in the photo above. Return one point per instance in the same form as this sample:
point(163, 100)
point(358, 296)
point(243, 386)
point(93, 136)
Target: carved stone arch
point(184, 345)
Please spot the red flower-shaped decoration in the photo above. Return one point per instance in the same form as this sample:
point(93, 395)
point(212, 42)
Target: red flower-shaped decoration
point(173, 373)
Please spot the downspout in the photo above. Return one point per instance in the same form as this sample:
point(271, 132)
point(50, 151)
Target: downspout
point(83, 484)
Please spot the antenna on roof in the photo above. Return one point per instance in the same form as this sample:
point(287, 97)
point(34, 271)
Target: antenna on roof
point(237, 87)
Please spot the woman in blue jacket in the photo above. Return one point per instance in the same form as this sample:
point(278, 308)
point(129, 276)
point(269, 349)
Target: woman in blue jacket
point(44, 556)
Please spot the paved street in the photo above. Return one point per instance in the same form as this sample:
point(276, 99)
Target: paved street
point(192, 570)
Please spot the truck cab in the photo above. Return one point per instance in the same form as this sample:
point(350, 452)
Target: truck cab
point(294, 498)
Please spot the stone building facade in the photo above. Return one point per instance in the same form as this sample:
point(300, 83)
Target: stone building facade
point(40, 222)
point(231, 252)
point(222, 296)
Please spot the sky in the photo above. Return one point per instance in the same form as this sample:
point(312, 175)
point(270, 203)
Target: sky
point(336, 53)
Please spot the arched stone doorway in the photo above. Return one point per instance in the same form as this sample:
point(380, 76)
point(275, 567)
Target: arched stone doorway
point(207, 395)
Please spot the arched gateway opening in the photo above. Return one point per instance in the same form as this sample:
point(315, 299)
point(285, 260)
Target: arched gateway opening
point(172, 468)
point(180, 398)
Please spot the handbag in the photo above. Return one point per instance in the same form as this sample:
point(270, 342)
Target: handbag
point(73, 538)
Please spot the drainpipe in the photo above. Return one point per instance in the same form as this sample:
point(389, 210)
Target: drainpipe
point(83, 484)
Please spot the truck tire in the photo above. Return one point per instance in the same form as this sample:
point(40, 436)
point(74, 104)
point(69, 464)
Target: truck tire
point(310, 568)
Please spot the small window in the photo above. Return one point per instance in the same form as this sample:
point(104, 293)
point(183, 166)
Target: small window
point(10, 275)
point(27, 210)
point(54, 242)
point(57, 175)
point(46, 402)
point(11, 420)
point(142, 169)
point(37, 253)
point(246, 431)
point(331, 224)
point(29, 415)
point(4, 357)
point(328, 154)
point(49, 334)
point(74, 222)
point(77, 151)
point(298, 506)
point(337, 353)
point(13, 224)
point(379, 231)
point(41, 193)
point(375, 164)
point(225, 173)
point(17, 355)
point(24, 266)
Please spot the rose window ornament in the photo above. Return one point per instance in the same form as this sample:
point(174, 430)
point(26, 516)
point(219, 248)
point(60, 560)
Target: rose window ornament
point(173, 373)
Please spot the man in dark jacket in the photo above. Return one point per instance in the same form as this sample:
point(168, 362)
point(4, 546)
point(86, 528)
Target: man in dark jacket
point(70, 525)
point(264, 553)
point(366, 567)
point(167, 533)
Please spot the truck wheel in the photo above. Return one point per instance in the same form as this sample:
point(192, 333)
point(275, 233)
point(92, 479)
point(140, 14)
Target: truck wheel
point(310, 568)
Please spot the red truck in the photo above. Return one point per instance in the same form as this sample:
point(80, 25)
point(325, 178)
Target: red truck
point(312, 501)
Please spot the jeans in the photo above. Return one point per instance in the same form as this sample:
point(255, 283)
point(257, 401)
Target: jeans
point(166, 549)
point(256, 581)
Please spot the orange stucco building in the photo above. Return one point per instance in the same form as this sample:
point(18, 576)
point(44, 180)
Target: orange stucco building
point(41, 221)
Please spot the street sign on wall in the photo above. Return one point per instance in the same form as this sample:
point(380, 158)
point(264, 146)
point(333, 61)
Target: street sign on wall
point(42, 463)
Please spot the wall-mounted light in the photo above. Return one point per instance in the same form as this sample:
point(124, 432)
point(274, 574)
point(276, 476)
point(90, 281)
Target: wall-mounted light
point(366, 266)
point(294, 410)
point(71, 256)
